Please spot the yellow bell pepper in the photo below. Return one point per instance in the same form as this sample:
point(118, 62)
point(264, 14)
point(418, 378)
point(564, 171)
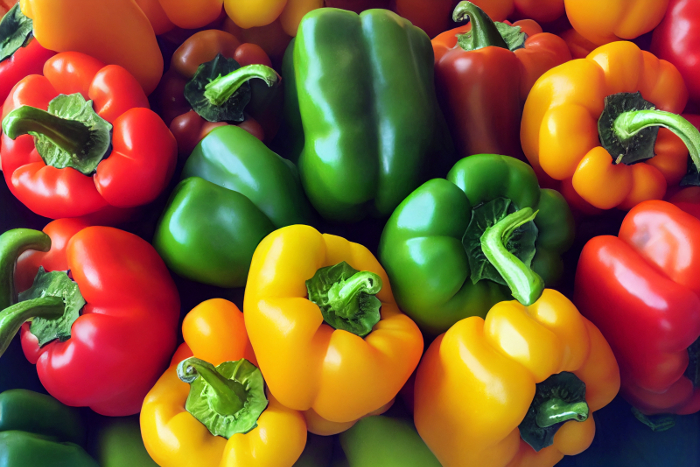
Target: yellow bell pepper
point(214, 333)
point(112, 31)
point(517, 388)
point(254, 13)
point(189, 14)
point(309, 365)
point(584, 124)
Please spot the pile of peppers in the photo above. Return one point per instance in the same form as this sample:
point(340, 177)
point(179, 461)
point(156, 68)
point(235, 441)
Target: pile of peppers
point(349, 233)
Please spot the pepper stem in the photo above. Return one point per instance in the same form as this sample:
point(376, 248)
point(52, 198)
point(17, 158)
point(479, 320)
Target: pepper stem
point(222, 88)
point(70, 135)
point(229, 396)
point(343, 296)
point(555, 411)
point(12, 317)
point(525, 284)
point(12, 244)
point(484, 32)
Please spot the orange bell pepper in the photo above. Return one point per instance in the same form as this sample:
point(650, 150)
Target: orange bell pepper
point(254, 13)
point(518, 388)
point(604, 21)
point(583, 124)
point(191, 15)
point(116, 32)
point(173, 434)
point(309, 365)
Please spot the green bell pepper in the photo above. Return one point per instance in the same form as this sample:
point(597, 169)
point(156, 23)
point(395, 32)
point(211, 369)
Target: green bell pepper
point(118, 442)
point(234, 192)
point(386, 441)
point(38, 431)
point(317, 452)
point(373, 130)
point(431, 250)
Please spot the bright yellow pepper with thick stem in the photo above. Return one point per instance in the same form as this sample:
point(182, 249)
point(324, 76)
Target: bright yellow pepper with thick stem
point(307, 364)
point(214, 331)
point(253, 13)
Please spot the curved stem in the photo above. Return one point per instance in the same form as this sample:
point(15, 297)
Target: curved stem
point(628, 124)
point(483, 33)
point(229, 396)
point(12, 244)
point(222, 88)
point(70, 135)
point(526, 285)
point(12, 317)
point(343, 296)
point(556, 411)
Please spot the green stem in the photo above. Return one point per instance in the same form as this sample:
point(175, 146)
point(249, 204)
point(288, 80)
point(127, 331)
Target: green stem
point(227, 396)
point(526, 285)
point(222, 88)
point(70, 135)
point(12, 244)
point(628, 124)
point(12, 317)
point(484, 32)
point(343, 296)
point(555, 411)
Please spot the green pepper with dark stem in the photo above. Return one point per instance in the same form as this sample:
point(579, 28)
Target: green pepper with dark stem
point(431, 249)
point(234, 192)
point(38, 431)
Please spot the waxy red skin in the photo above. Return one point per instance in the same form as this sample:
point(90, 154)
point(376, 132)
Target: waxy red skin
point(25, 61)
point(642, 290)
point(127, 331)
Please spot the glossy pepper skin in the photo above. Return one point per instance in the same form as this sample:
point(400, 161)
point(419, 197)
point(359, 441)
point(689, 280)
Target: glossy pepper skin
point(641, 289)
point(113, 31)
point(422, 250)
point(215, 332)
point(677, 40)
point(37, 430)
point(253, 13)
point(234, 192)
point(482, 91)
point(560, 136)
point(542, 11)
point(118, 443)
point(137, 168)
point(602, 22)
point(131, 315)
point(356, 161)
point(308, 365)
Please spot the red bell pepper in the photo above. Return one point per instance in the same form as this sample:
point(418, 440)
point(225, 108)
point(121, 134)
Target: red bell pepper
point(115, 322)
point(641, 289)
point(20, 53)
point(484, 79)
point(81, 161)
point(677, 39)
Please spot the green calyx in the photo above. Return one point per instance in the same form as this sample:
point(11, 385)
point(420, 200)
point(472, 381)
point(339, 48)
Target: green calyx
point(227, 399)
point(219, 90)
point(16, 30)
point(558, 399)
point(346, 297)
point(521, 242)
point(68, 134)
point(484, 31)
point(656, 423)
point(53, 302)
point(525, 285)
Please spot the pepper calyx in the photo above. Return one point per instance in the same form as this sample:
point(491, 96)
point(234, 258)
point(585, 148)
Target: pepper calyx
point(16, 30)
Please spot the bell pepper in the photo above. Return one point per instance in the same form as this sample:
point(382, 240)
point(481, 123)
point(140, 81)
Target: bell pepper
point(210, 408)
point(6, 5)
point(518, 387)
point(317, 452)
point(430, 245)
point(602, 21)
point(118, 443)
point(542, 11)
point(156, 16)
point(253, 13)
point(36, 430)
point(271, 38)
point(600, 132)
point(20, 53)
point(325, 327)
point(677, 40)
point(389, 441)
point(234, 192)
point(205, 88)
point(103, 157)
point(191, 15)
point(432, 17)
point(578, 45)
point(114, 32)
point(372, 126)
point(97, 299)
point(483, 74)
point(641, 289)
